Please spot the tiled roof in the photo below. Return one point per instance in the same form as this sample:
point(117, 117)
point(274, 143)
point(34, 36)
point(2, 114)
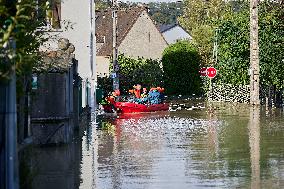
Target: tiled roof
point(125, 20)
point(166, 27)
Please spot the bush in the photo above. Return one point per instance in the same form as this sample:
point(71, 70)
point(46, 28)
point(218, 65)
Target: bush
point(146, 72)
point(181, 64)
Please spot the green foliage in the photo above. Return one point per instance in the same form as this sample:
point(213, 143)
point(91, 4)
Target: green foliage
point(199, 18)
point(202, 38)
point(165, 13)
point(146, 72)
point(181, 63)
point(105, 83)
point(234, 45)
point(160, 12)
point(233, 49)
point(271, 44)
point(102, 4)
point(22, 25)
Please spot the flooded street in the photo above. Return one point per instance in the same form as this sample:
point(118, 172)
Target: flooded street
point(223, 146)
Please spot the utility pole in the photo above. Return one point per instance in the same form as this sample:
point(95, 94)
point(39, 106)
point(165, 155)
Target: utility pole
point(115, 75)
point(92, 30)
point(254, 54)
point(93, 79)
point(9, 176)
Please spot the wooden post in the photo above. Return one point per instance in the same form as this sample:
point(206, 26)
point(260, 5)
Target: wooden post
point(254, 54)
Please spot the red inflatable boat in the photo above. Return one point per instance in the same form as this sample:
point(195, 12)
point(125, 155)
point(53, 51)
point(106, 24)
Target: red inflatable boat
point(130, 107)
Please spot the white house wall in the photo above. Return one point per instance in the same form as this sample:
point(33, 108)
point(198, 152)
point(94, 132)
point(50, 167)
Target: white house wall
point(77, 12)
point(176, 33)
point(102, 67)
point(143, 40)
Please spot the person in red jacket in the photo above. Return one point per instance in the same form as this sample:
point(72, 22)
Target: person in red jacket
point(137, 90)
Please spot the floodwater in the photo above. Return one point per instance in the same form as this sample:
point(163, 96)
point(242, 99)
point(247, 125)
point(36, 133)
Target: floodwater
point(219, 146)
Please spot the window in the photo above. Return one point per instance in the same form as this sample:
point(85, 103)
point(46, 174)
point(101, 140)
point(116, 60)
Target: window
point(56, 14)
point(49, 11)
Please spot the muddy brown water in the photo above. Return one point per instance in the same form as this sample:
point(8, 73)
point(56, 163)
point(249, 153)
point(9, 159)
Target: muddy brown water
point(199, 146)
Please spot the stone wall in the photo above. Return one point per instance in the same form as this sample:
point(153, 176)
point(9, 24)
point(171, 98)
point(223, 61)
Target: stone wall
point(229, 93)
point(241, 94)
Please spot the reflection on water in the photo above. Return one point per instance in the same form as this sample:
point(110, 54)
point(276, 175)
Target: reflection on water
point(217, 147)
point(254, 143)
point(51, 167)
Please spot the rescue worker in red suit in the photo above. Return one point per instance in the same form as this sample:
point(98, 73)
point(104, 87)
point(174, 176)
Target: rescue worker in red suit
point(137, 91)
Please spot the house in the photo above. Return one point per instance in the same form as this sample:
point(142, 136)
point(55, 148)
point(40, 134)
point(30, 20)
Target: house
point(62, 15)
point(173, 33)
point(137, 36)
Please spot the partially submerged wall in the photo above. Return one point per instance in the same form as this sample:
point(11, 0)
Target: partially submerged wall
point(241, 94)
point(229, 93)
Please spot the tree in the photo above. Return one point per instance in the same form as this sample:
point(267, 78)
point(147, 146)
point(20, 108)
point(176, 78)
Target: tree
point(181, 63)
point(23, 27)
point(165, 13)
point(199, 18)
point(234, 46)
point(102, 4)
point(271, 44)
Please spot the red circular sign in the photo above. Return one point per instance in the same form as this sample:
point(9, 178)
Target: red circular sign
point(202, 71)
point(211, 72)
